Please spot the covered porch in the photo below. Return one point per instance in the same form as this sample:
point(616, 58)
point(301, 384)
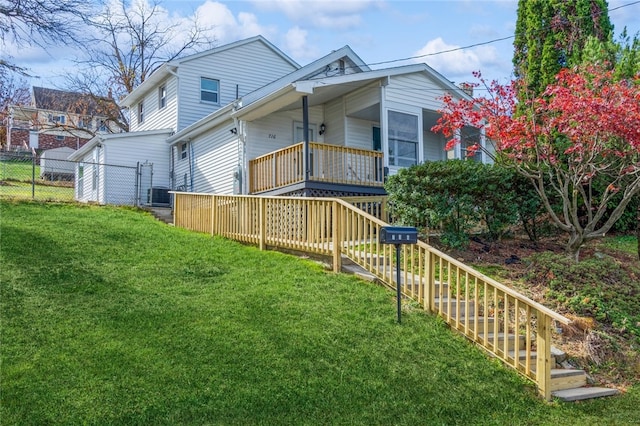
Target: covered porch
point(340, 136)
point(320, 168)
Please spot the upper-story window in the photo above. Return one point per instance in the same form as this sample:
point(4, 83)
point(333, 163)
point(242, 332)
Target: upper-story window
point(141, 112)
point(183, 151)
point(101, 125)
point(59, 119)
point(162, 97)
point(84, 122)
point(209, 90)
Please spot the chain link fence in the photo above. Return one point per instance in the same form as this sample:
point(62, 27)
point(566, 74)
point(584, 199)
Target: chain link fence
point(49, 176)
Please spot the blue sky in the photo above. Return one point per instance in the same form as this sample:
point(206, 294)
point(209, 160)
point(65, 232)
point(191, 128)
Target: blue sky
point(377, 30)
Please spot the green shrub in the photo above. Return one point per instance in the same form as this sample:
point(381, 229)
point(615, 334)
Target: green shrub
point(458, 196)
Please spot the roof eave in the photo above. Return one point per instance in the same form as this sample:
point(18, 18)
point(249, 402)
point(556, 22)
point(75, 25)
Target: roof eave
point(210, 121)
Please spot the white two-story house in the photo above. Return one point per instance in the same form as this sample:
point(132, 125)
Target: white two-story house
point(246, 119)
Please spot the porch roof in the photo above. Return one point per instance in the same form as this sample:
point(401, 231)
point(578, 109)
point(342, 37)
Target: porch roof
point(322, 90)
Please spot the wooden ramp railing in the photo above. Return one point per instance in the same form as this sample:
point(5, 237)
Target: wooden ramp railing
point(510, 326)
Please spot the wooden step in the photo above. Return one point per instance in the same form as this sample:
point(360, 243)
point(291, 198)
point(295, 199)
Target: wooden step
point(477, 322)
point(511, 340)
point(562, 379)
point(446, 303)
point(579, 394)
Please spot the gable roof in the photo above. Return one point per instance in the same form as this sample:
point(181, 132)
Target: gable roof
point(235, 44)
point(324, 89)
point(71, 102)
point(100, 138)
point(308, 71)
point(171, 67)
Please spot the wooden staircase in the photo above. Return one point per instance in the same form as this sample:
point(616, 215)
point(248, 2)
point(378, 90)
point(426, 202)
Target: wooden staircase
point(567, 383)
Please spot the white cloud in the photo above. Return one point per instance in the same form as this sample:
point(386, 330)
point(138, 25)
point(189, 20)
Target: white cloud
point(296, 43)
point(225, 26)
point(458, 63)
point(342, 15)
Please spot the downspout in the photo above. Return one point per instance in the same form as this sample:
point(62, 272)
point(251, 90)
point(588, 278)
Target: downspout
point(172, 170)
point(242, 151)
point(191, 166)
point(175, 74)
point(384, 129)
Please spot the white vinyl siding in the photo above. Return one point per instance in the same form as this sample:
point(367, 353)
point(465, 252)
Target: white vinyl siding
point(334, 121)
point(415, 89)
point(276, 131)
point(116, 184)
point(211, 161)
point(154, 116)
point(245, 68)
point(434, 146)
point(360, 133)
point(362, 99)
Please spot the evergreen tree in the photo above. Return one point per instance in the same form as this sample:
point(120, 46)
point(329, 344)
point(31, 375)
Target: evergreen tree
point(551, 35)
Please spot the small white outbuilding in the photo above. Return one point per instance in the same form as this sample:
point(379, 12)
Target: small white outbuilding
point(55, 164)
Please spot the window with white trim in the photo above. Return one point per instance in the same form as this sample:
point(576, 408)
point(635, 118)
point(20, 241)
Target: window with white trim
point(58, 119)
point(141, 112)
point(209, 90)
point(183, 151)
point(162, 97)
point(403, 139)
point(470, 137)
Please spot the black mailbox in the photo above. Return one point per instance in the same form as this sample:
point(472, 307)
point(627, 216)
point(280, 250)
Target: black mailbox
point(398, 235)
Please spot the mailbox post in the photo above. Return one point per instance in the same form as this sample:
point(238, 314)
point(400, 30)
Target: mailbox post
point(398, 235)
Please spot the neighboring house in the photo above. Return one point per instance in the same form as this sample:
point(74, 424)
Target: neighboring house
point(57, 118)
point(248, 119)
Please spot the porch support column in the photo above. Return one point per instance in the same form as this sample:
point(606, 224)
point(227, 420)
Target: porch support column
point(305, 129)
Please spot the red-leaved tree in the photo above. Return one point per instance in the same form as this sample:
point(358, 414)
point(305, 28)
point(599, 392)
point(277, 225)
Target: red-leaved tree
point(578, 143)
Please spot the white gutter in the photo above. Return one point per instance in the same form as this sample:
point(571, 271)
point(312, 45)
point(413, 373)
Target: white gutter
point(210, 121)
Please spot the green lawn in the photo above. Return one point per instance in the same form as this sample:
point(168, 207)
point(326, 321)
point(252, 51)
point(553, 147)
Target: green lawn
point(110, 317)
point(23, 190)
point(15, 182)
point(18, 170)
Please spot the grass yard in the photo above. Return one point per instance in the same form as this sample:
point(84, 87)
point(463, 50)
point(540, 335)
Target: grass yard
point(20, 170)
point(23, 190)
point(110, 317)
point(15, 182)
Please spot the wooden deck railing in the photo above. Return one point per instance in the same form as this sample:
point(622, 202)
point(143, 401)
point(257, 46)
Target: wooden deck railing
point(327, 163)
point(484, 310)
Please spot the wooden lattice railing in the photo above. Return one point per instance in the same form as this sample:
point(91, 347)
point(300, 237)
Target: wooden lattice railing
point(512, 327)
